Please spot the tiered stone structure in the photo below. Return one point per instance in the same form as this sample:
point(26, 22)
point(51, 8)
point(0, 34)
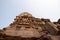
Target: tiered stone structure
point(27, 27)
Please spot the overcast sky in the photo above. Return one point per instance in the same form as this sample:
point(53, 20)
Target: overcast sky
point(9, 9)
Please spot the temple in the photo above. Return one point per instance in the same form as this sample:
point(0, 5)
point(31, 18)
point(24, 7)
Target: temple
point(27, 27)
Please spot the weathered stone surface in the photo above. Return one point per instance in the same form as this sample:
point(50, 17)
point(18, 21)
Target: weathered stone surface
point(51, 28)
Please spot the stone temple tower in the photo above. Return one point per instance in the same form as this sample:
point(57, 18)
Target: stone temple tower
point(27, 27)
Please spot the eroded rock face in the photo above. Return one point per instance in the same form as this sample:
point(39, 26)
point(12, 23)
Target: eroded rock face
point(27, 27)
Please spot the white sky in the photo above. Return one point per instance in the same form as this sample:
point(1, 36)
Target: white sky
point(38, 8)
